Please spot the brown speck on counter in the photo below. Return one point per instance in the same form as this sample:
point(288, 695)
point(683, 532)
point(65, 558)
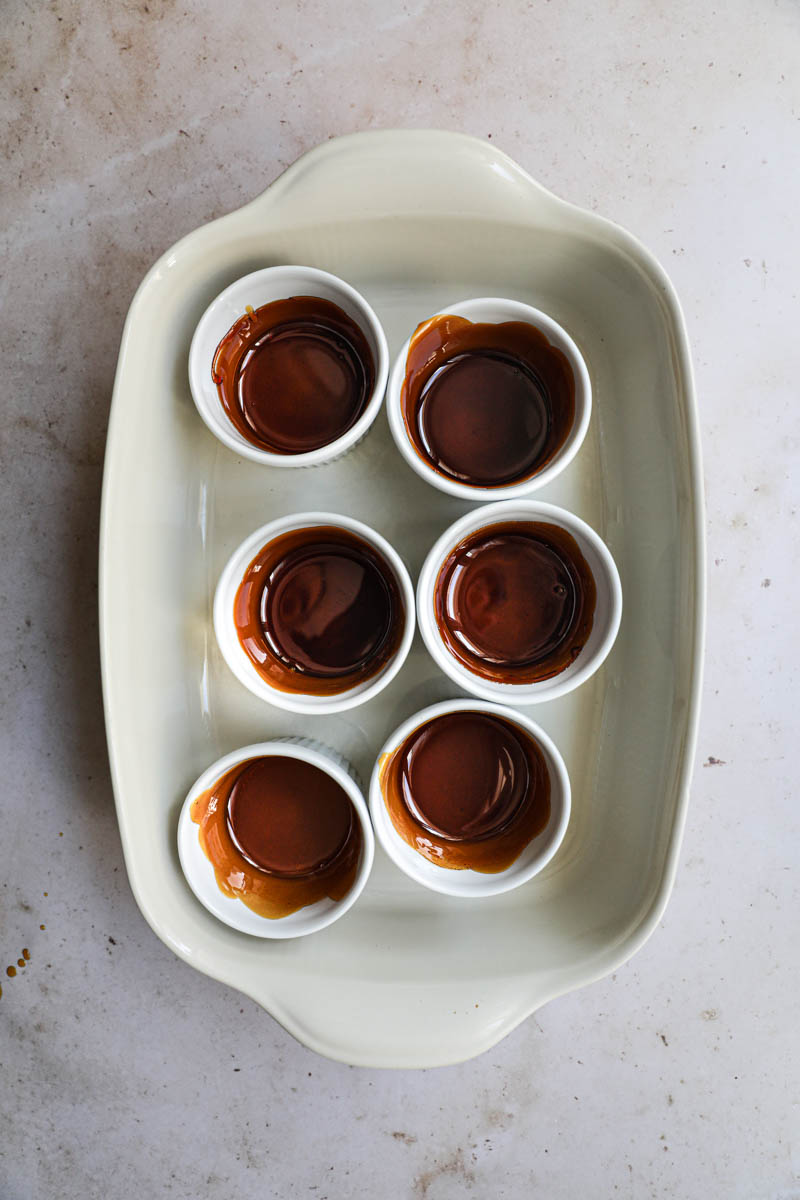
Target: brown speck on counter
point(113, 943)
point(41, 926)
point(714, 762)
point(766, 583)
point(11, 972)
point(20, 962)
point(26, 954)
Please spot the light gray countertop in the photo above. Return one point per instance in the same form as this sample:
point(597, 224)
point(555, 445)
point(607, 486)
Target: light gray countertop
point(122, 1071)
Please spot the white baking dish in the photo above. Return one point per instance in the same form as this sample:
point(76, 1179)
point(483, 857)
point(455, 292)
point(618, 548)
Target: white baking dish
point(414, 220)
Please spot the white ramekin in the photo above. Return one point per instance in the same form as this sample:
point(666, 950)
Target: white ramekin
point(471, 884)
point(607, 612)
point(495, 310)
point(256, 289)
point(228, 638)
point(200, 873)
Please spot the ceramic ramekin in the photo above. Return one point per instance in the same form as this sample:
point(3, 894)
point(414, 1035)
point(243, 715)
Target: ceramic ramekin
point(200, 873)
point(466, 883)
point(228, 638)
point(495, 310)
point(607, 613)
point(256, 289)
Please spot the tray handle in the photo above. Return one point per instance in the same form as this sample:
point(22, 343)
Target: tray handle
point(389, 172)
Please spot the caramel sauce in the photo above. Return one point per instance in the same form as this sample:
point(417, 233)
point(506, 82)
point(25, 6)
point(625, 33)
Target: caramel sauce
point(514, 602)
point(486, 404)
point(294, 375)
point(319, 611)
point(467, 790)
point(280, 834)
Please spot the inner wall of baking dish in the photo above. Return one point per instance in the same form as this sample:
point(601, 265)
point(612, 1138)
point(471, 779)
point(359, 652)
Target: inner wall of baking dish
point(620, 733)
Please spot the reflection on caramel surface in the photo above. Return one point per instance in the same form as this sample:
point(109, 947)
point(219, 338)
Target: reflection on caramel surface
point(294, 375)
point(319, 611)
point(486, 404)
point(280, 834)
point(467, 790)
point(514, 602)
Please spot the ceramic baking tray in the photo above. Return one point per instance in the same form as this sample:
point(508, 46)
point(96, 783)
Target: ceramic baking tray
point(416, 221)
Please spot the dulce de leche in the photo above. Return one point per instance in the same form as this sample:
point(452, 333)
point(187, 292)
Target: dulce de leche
point(318, 611)
point(294, 375)
point(488, 405)
point(514, 602)
point(280, 834)
point(467, 790)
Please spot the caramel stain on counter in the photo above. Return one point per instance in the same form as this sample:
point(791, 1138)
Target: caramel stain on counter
point(454, 1166)
point(22, 962)
point(498, 1119)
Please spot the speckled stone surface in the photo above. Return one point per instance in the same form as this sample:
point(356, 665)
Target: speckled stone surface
point(122, 1071)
